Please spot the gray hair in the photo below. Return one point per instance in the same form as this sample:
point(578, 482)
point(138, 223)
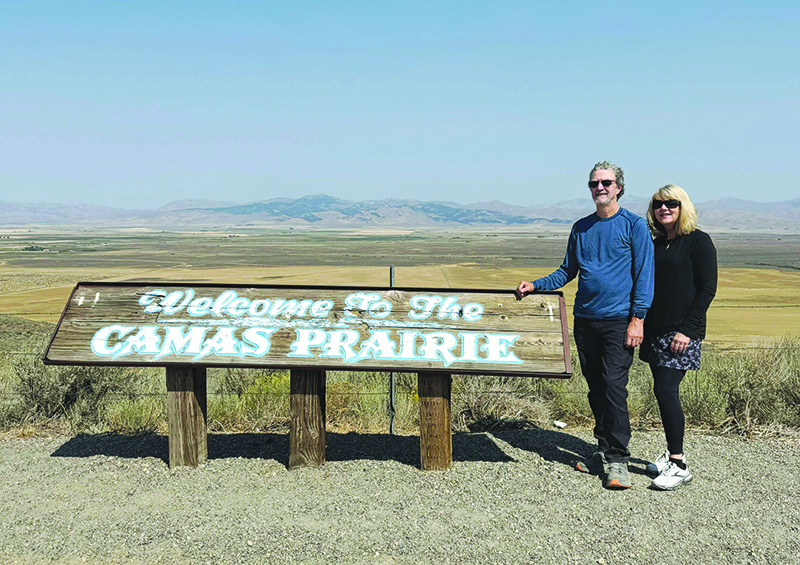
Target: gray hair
point(618, 173)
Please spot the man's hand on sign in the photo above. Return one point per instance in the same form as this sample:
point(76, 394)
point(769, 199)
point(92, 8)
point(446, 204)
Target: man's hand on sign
point(524, 288)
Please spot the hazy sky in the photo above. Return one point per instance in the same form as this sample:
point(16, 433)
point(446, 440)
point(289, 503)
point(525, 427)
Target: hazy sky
point(140, 103)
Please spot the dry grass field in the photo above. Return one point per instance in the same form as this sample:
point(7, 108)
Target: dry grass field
point(758, 296)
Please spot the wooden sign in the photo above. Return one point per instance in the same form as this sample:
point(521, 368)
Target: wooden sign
point(362, 329)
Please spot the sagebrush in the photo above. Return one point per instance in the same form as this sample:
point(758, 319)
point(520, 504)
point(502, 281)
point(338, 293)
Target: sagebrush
point(742, 390)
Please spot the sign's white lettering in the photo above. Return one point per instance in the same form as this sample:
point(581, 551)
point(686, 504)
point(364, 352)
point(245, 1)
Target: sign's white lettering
point(346, 345)
point(119, 341)
point(229, 304)
point(248, 331)
point(448, 307)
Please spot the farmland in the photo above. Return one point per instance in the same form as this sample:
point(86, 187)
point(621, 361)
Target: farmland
point(753, 329)
point(758, 296)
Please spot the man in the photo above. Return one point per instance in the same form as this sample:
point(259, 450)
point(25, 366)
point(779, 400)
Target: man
point(611, 252)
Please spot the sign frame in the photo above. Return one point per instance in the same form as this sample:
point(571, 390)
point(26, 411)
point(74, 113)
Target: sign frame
point(374, 366)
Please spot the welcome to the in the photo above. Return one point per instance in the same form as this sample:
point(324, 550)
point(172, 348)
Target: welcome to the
point(230, 304)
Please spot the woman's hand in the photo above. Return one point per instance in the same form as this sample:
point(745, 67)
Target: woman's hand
point(679, 343)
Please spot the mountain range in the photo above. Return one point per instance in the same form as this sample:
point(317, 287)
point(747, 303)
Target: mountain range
point(326, 211)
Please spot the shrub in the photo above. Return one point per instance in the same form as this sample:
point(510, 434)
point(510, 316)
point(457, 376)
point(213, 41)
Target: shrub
point(234, 380)
point(360, 401)
point(78, 393)
point(137, 416)
point(261, 405)
point(757, 387)
point(491, 403)
point(741, 390)
point(266, 401)
point(737, 391)
point(566, 398)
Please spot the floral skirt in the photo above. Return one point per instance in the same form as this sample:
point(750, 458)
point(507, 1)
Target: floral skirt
point(656, 350)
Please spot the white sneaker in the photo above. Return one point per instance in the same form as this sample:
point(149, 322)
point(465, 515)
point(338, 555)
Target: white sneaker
point(672, 477)
point(657, 466)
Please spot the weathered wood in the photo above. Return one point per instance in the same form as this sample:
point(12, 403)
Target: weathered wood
point(307, 418)
point(465, 331)
point(435, 434)
point(187, 414)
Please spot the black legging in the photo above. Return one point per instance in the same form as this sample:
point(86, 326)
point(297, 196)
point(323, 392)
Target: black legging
point(665, 386)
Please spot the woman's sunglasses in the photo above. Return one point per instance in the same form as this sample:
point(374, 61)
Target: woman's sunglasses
point(671, 204)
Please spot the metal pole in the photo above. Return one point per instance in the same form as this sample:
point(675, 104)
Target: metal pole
point(392, 410)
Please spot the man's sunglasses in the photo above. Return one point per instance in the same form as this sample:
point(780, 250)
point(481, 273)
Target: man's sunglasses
point(671, 204)
point(606, 183)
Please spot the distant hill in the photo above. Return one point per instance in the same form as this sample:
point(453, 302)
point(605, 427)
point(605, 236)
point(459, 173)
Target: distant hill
point(195, 204)
point(321, 210)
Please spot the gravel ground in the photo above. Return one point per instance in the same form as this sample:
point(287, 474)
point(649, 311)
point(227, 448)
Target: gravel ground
point(510, 497)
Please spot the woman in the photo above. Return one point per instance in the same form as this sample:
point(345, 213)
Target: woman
point(685, 284)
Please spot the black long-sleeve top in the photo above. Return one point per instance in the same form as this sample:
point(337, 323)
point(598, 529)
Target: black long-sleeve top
point(685, 285)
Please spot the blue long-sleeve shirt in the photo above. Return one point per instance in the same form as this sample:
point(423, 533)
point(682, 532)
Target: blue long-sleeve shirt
point(613, 258)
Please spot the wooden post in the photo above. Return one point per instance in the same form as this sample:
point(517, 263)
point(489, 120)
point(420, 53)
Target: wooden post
point(186, 412)
point(435, 437)
point(307, 418)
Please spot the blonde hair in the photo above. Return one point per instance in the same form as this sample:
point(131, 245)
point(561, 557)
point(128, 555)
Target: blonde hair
point(687, 219)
